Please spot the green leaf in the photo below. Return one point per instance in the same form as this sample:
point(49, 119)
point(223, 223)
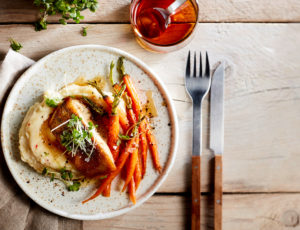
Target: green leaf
point(62, 21)
point(41, 24)
point(52, 102)
point(84, 31)
point(16, 46)
point(74, 187)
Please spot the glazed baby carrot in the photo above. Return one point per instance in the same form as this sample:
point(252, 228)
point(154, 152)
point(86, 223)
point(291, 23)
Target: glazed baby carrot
point(130, 147)
point(122, 114)
point(153, 149)
point(132, 190)
point(131, 167)
point(138, 172)
point(113, 135)
point(143, 146)
point(106, 191)
point(136, 106)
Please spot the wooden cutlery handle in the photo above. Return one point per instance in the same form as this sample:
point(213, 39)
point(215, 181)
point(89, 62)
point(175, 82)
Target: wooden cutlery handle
point(218, 193)
point(196, 192)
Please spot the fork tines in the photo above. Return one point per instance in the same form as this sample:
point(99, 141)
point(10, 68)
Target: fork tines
point(188, 66)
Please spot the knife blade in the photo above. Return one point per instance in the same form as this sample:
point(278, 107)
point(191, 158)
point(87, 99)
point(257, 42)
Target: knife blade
point(217, 111)
point(217, 139)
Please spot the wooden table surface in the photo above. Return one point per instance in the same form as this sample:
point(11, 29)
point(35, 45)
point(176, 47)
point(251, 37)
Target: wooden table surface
point(260, 41)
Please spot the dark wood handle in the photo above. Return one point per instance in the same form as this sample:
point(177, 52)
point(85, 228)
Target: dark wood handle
point(218, 193)
point(196, 192)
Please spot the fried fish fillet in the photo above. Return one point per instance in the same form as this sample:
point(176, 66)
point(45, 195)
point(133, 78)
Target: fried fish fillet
point(101, 161)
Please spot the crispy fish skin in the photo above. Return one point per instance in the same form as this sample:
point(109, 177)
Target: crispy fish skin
point(101, 161)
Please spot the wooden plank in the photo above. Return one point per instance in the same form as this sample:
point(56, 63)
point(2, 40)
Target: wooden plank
point(247, 212)
point(262, 96)
point(210, 11)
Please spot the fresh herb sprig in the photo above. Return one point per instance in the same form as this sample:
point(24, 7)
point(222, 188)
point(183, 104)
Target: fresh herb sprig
point(16, 46)
point(68, 9)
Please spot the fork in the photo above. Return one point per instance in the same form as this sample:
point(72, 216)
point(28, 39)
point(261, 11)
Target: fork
point(197, 87)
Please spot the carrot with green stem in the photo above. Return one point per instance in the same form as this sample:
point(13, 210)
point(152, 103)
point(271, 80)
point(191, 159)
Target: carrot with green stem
point(114, 128)
point(122, 114)
point(130, 147)
point(136, 106)
point(150, 137)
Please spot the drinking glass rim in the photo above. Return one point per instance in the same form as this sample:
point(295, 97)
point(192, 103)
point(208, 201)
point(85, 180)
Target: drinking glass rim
point(173, 44)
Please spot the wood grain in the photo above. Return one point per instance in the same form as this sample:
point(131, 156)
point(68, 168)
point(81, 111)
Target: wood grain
point(196, 192)
point(218, 193)
point(210, 11)
point(246, 212)
point(262, 93)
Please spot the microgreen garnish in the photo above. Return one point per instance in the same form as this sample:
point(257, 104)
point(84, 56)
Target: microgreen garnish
point(44, 172)
point(74, 187)
point(46, 154)
point(69, 9)
point(103, 177)
point(78, 137)
point(84, 31)
point(93, 106)
point(63, 173)
point(16, 46)
point(52, 102)
point(67, 176)
point(70, 174)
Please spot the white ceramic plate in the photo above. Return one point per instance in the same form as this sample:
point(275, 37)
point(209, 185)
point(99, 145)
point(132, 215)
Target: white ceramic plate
point(54, 71)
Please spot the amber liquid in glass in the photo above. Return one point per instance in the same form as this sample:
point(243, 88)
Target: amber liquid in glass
point(152, 25)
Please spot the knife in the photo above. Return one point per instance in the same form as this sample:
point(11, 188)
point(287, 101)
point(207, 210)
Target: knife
point(217, 138)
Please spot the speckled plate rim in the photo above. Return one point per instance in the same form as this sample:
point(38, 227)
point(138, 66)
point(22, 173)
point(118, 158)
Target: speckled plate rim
point(174, 132)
